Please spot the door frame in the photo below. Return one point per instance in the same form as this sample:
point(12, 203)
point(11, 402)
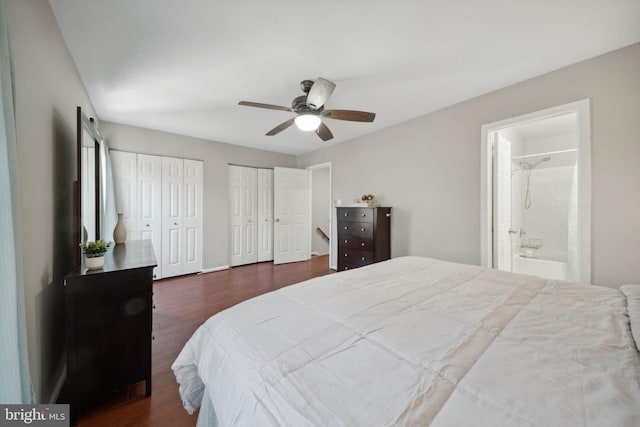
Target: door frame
point(329, 206)
point(582, 109)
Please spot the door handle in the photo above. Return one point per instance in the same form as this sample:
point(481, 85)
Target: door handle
point(277, 219)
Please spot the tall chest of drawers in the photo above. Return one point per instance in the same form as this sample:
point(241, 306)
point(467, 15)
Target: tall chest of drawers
point(364, 236)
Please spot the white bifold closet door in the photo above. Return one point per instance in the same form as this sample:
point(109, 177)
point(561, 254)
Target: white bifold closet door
point(150, 205)
point(161, 199)
point(181, 216)
point(124, 170)
point(251, 214)
point(193, 229)
point(265, 215)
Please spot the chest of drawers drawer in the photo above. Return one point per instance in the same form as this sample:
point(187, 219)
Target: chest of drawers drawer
point(356, 214)
point(355, 229)
point(355, 256)
point(355, 242)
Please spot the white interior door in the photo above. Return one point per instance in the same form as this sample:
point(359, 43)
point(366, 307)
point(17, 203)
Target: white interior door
point(124, 167)
point(292, 212)
point(173, 240)
point(150, 205)
point(503, 201)
point(192, 222)
point(265, 215)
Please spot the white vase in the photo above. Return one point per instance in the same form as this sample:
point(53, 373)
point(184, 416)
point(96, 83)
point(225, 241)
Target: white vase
point(94, 263)
point(120, 232)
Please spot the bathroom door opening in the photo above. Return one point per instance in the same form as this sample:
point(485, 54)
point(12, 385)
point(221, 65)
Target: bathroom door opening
point(536, 194)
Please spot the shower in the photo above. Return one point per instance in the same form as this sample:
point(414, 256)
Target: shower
point(538, 224)
point(529, 167)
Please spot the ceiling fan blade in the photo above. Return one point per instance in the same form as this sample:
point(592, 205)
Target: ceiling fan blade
point(320, 92)
point(323, 132)
point(350, 115)
point(267, 106)
point(282, 126)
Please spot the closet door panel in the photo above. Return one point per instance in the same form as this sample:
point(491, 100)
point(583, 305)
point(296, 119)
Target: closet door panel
point(250, 214)
point(265, 215)
point(124, 166)
point(193, 200)
point(236, 215)
point(149, 222)
point(173, 236)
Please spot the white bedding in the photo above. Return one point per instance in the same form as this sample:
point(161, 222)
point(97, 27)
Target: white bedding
point(415, 341)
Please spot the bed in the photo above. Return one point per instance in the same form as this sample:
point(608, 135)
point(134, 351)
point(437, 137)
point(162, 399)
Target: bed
point(416, 341)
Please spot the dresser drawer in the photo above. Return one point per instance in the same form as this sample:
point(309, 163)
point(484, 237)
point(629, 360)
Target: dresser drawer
point(355, 242)
point(355, 214)
point(345, 265)
point(354, 256)
point(354, 229)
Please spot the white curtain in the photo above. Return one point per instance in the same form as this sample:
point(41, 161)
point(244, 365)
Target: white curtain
point(109, 214)
point(15, 380)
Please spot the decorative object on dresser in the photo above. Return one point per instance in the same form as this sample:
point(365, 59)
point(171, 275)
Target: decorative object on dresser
point(364, 236)
point(120, 232)
point(94, 253)
point(108, 324)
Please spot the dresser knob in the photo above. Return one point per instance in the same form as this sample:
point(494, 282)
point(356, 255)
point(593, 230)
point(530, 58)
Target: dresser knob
point(346, 214)
point(362, 229)
point(346, 228)
point(346, 268)
point(362, 258)
point(363, 215)
point(362, 244)
point(346, 254)
point(346, 241)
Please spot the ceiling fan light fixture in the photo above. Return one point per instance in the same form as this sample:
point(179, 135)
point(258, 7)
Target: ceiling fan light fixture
point(307, 122)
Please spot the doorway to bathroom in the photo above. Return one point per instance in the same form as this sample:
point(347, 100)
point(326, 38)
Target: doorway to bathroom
point(536, 194)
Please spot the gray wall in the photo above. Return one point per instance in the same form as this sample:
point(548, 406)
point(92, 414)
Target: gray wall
point(47, 91)
point(428, 168)
point(216, 156)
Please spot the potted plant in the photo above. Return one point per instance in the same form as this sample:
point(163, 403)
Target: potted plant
point(94, 253)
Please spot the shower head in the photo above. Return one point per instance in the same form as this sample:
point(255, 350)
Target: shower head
point(545, 159)
point(529, 166)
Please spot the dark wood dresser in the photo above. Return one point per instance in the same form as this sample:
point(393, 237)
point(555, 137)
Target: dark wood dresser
point(364, 236)
point(108, 322)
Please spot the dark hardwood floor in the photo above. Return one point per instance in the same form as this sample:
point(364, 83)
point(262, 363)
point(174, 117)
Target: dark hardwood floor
point(182, 304)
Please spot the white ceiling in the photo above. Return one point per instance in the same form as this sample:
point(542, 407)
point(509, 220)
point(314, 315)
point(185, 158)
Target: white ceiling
point(182, 65)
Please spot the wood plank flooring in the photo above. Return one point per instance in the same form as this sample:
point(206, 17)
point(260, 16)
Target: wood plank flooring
point(181, 306)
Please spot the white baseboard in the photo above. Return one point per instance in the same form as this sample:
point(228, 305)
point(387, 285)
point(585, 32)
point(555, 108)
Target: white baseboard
point(211, 270)
point(315, 253)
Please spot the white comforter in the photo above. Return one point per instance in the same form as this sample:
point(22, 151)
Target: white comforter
point(415, 341)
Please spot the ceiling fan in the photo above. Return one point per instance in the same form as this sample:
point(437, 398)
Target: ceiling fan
point(309, 109)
